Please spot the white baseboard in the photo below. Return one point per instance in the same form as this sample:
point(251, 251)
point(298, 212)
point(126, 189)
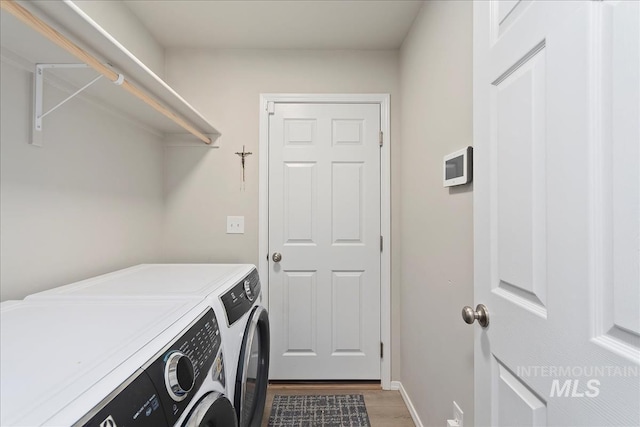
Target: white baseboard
point(397, 385)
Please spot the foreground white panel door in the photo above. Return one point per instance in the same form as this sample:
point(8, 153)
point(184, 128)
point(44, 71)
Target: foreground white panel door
point(557, 212)
point(324, 239)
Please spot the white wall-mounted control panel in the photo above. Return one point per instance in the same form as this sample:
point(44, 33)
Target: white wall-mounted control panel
point(457, 168)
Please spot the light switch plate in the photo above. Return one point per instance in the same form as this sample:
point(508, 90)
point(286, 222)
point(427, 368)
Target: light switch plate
point(235, 225)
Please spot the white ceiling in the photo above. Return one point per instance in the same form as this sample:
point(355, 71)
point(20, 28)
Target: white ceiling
point(269, 24)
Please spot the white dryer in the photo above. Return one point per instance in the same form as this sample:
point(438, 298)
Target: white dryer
point(247, 340)
point(234, 293)
point(152, 281)
point(111, 363)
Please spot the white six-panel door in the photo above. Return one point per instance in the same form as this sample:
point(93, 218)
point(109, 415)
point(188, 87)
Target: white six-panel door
point(557, 212)
point(324, 220)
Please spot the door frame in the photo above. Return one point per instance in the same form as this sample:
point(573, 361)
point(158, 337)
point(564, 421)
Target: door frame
point(385, 201)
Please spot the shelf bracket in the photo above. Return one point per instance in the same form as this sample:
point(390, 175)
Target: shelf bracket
point(38, 93)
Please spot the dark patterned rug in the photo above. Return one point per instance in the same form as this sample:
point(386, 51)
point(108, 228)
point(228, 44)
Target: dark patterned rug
point(342, 410)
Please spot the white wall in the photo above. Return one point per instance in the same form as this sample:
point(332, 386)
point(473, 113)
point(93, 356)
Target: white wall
point(118, 20)
point(88, 202)
point(203, 185)
point(437, 223)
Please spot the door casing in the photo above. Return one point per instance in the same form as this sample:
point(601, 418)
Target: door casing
point(385, 202)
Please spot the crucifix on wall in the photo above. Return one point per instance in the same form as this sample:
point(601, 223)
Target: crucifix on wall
point(243, 155)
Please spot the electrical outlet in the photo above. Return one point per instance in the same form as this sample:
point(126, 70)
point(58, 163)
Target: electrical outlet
point(458, 415)
point(235, 225)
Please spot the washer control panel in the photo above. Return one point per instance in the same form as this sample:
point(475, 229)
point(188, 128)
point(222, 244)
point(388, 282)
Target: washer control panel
point(157, 396)
point(137, 405)
point(184, 365)
point(239, 299)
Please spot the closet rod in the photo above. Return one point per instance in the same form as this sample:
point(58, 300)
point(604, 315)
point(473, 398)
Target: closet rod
point(43, 28)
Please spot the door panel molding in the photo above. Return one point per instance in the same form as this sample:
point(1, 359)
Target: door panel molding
point(347, 135)
point(615, 180)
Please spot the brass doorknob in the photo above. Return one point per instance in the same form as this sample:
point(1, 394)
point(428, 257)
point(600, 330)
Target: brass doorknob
point(277, 256)
point(481, 314)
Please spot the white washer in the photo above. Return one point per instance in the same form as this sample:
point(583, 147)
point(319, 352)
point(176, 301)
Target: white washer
point(232, 290)
point(106, 363)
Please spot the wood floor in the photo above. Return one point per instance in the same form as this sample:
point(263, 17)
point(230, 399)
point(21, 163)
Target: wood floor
point(384, 407)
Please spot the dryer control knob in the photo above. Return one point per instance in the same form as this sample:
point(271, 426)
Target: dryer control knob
point(179, 375)
point(248, 291)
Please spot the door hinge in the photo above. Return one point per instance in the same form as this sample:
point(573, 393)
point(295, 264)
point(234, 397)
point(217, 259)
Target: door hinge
point(271, 107)
point(381, 243)
point(381, 138)
point(381, 349)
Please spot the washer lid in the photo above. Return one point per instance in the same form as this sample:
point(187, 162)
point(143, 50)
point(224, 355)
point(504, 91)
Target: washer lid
point(54, 351)
point(153, 280)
